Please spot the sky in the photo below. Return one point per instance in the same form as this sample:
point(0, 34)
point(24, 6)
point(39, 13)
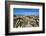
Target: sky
point(25, 11)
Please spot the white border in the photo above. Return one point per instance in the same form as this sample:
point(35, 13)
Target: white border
point(25, 29)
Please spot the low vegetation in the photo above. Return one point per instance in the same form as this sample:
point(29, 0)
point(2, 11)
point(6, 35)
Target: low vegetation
point(26, 21)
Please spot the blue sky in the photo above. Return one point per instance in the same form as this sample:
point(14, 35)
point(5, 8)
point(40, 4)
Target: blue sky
point(25, 11)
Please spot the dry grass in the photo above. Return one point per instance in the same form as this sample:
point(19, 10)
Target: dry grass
point(26, 21)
